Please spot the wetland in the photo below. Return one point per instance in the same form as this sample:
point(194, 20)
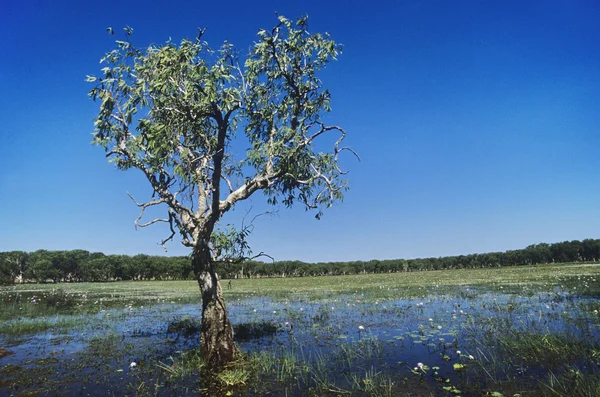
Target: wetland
point(518, 331)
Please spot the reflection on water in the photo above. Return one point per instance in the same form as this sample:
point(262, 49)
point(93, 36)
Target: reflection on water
point(395, 335)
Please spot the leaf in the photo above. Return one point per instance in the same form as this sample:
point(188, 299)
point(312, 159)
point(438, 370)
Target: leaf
point(90, 79)
point(110, 30)
point(497, 394)
point(459, 367)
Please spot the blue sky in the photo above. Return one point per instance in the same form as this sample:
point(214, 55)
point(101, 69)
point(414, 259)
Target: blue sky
point(477, 124)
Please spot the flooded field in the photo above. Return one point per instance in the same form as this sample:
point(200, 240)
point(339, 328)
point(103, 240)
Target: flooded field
point(527, 331)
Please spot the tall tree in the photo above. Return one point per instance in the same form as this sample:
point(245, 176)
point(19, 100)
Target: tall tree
point(12, 266)
point(176, 112)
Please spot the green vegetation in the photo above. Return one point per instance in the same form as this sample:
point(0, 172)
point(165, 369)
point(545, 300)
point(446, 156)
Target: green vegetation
point(172, 112)
point(528, 330)
point(83, 266)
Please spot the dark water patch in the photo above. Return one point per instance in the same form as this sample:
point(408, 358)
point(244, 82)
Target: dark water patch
point(248, 331)
point(186, 326)
point(4, 352)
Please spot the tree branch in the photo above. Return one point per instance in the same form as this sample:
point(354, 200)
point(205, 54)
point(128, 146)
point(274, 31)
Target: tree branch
point(143, 207)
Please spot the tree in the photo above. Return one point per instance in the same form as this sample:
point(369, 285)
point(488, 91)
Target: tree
point(12, 266)
point(179, 113)
point(41, 267)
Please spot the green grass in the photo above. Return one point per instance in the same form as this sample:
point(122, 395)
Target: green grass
point(416, 284)
point(508, 338)
point(96, 296)
point(24, 326)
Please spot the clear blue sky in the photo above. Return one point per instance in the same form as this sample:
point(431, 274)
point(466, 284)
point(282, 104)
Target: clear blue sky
point(477, 122)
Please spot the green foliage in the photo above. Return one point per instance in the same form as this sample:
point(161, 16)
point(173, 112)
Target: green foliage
point(80, 265)
point(12, 266)
point(175, 110)
point(247, 331)
point(233, 377)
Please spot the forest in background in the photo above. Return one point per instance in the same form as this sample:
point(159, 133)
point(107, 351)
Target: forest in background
point(83, 266)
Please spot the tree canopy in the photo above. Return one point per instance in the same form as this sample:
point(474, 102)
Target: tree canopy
point(80, 265)
point(208, 130)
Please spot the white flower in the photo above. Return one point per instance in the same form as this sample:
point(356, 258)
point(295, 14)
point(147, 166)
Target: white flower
point(458, 352)
point(133, 364)
point(430, 319)
point(439, 327)
point(420, 365)
point(361, 328)
point(471, 357)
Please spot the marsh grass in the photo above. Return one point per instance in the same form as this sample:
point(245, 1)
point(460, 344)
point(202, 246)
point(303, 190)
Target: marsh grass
point(34, 300)
point(16, 300)
point(373, 383)
point(571, 383)
point(246, 331)
point(529, 330)
point(26, 326)
point(233, 377)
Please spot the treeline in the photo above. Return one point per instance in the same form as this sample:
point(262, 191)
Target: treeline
point(80, 265)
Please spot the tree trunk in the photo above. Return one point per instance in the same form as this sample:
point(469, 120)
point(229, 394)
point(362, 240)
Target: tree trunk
point(216, 336)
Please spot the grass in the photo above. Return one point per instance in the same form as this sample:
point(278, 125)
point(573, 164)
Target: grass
point(97, 296)
point(520, 330)
point(25, 326)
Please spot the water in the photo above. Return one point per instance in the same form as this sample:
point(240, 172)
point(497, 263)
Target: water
point(397, 337)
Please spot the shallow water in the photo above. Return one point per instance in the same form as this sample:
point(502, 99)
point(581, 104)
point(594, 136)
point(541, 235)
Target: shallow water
point(354, 334)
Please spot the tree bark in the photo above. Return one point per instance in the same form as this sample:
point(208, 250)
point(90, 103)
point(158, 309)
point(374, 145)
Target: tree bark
point(216, 336)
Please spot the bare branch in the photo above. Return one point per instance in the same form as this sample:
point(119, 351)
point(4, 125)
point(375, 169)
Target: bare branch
point(324, 129)
point(228, 183)
point(171, 218)
point(143, 207)
point(339, 150)
point(251, 224)
point(259, 181)
point(245, 258)
point(261, 254)
point(152, 222)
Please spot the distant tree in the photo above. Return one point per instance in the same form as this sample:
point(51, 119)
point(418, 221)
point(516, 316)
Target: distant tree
point(180, 113)
point(73, 260)
point(97, 269)
point(41, 267)
point(590, 250)
point(13, 265)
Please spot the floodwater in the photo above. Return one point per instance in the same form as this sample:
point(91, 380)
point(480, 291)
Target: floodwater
point(393, 336)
